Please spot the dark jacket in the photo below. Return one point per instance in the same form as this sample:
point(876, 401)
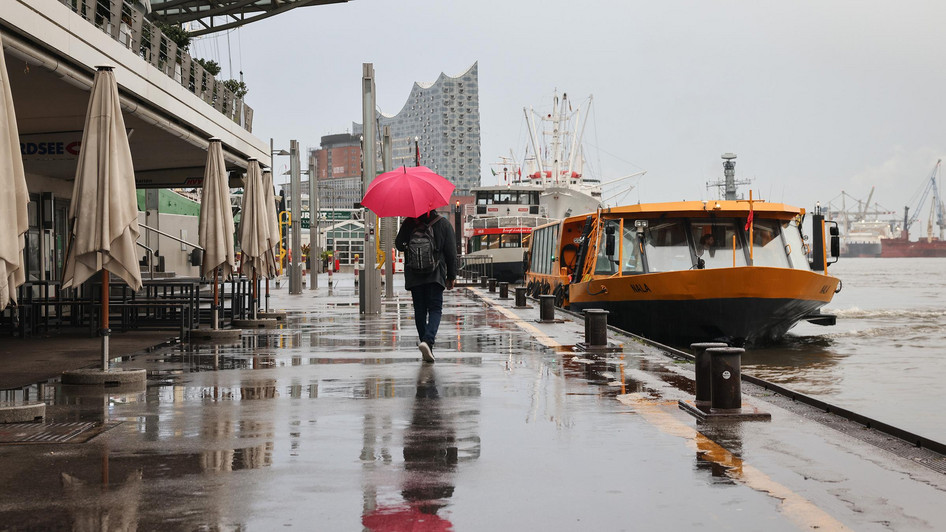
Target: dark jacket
point(444, 240)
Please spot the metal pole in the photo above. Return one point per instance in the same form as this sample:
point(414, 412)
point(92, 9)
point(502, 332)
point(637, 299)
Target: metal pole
point(458, 230)
point(105, 331)
point(295, 268)
point(387, 223)
point(314, 254)
point(372, 285)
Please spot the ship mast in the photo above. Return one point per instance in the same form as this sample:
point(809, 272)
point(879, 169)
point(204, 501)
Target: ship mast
point(729, 183)
point(535, 141)
point(556, 119)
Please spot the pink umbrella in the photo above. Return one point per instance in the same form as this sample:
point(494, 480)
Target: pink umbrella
point(407, 191)
point(404, 519)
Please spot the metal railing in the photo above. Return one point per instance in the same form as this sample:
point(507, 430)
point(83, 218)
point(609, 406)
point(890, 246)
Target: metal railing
point(472, 268)
point(128, 25)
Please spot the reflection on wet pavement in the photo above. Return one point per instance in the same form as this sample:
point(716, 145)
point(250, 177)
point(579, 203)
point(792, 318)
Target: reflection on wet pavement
point(333, 422)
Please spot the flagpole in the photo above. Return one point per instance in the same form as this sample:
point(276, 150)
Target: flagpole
point(751, 221)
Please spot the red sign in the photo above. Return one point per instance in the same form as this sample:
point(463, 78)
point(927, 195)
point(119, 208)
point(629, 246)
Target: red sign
point(502, 231)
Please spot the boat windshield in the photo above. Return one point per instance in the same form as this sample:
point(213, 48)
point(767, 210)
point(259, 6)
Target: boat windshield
point(713, 242)
point(666, 247)
point(608, 264)
point(794, 245)
point(767, 246)
point(631, 262)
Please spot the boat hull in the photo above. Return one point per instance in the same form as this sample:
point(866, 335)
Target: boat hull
point(749, 305)
point(862, 249)
point(899, 247)
point(505, 265)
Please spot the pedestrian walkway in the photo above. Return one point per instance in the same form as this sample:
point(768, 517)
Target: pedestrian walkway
point(332, 422)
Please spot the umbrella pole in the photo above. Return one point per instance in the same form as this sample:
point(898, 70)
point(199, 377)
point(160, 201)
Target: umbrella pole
point(255, 294)
point(216, 297)
point(105, 331)
point(267, 294)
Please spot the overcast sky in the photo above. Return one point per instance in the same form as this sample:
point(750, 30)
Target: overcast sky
point(814, 97)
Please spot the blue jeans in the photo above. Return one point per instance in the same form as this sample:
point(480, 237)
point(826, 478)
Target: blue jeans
point(428, 307)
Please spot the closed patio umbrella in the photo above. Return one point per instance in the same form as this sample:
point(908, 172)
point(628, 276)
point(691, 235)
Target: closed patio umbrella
point(273, 220)
point(255, 230)
point(104, 207)
point(216, 229)
point(14, 197)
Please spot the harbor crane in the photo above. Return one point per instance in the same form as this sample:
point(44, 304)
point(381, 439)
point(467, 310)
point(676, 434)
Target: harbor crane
point(937, 206)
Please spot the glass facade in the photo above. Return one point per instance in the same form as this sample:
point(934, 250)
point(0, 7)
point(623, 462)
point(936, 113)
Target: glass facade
point(444, 116)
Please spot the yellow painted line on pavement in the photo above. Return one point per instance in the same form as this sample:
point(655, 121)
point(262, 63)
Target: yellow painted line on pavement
point(795, 507)
point(540, 336)
point(798, 509)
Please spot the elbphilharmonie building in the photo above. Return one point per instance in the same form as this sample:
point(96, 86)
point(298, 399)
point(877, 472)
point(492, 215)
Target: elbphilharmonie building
point(441, 122)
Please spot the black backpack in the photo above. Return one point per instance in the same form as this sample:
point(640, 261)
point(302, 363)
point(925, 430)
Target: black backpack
point(422, 253)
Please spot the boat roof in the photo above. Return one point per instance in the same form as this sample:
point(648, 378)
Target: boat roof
point(702, 209)
point(498, 188)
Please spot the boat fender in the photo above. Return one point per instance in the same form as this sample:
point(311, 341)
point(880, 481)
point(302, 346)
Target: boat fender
point(559, 295)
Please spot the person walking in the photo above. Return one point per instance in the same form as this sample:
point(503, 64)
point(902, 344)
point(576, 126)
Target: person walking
point(430, 267)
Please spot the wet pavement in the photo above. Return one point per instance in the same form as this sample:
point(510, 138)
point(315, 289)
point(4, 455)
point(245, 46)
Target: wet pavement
point(332, 422)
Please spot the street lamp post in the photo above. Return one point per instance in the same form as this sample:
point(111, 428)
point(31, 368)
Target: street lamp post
point(272, 155)
point(314, 244)
point(295, 268)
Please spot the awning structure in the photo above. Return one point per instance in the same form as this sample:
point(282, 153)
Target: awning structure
point(219, 15)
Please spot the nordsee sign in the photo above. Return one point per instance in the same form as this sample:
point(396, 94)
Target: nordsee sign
point(51, 146)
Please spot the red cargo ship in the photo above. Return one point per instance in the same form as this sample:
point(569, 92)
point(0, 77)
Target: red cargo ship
point(930, 246)
point(903, 247)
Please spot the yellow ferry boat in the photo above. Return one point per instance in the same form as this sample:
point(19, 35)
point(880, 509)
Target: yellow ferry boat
point(737, 271)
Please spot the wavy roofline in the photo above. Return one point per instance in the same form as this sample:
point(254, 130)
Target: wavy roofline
point(427, 86)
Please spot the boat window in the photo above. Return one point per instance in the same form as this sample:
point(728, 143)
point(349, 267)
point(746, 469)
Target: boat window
point(510, 241)
point(631, 251)
point(665, 244)
point(491, 242)
point(542, 249)
point(767, 246)
point(794, 245)
point(608, 264)
point(713, 243)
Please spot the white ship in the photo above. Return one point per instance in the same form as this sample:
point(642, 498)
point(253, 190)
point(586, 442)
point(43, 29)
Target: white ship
point(557, 162)
point(546, 187)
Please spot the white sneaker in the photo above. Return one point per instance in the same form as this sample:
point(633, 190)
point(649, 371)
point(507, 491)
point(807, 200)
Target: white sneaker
point(426, 352)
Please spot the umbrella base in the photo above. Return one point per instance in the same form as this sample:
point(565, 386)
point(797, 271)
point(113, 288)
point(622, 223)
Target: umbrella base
point(216, 335)
point(22, 412)
point(267, 323)
point(98, 377)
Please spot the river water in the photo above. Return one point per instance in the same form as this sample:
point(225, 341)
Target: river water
point(885, 358)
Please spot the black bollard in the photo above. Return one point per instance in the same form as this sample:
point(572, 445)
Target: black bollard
point(704, 374)
point(596, 327)
point(491, 282)
point(520, 296)
point(503, 290)
point(483, 279)
point(726, 377)
point(547, 307)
